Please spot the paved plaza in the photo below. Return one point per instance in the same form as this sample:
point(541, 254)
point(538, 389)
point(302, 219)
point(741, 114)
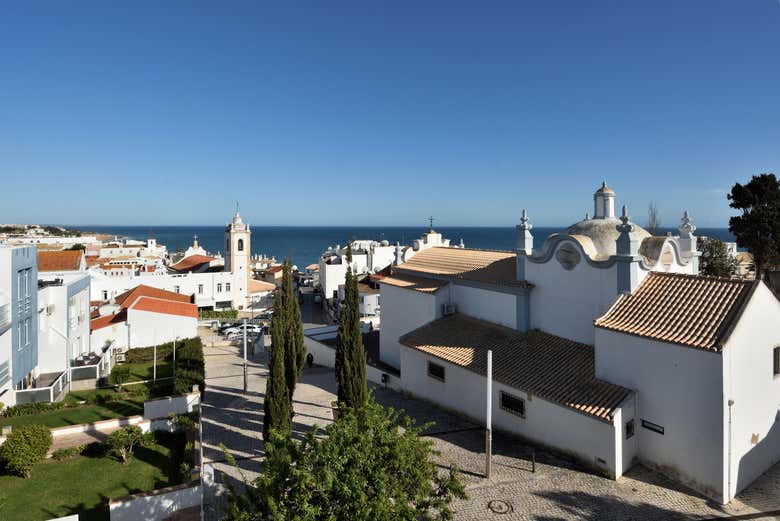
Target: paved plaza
point(558, 489)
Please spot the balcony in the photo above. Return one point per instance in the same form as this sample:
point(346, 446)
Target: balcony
point(5, 312)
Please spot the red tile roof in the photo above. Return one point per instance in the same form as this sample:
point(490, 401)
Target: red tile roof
point(689, 310)
point(192, 262)
point(64, 260)
point(554, 368)
point(168, 307)
point(258, 286)
point(107, 320)
point(127, 298)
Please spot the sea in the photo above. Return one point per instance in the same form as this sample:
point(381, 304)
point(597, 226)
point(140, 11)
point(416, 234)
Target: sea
point(304, 244)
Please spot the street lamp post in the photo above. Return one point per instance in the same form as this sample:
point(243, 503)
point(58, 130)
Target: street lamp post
point(245, 382)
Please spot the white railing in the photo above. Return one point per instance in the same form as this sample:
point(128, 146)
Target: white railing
point(5, 314)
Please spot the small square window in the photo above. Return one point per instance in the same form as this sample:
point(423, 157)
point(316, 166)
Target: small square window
point(652, 426)
point(630, 429)
point(513, 404)
point(436, 371)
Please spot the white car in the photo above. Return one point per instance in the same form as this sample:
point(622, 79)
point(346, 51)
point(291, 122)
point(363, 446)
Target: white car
point(250, 328)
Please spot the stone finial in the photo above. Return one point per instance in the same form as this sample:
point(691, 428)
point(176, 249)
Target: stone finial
point(524, 224)
point(686, 227)
point(461, 245)
point(587, 216)
point(398, 254)
point(625, 225)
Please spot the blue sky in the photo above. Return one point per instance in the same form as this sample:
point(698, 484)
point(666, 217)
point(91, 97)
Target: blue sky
point(383, 112)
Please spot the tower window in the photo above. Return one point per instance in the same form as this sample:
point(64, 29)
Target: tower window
point(240, 244)
point(776, 360)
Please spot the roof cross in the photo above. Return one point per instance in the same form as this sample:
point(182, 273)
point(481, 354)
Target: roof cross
point(430, 220)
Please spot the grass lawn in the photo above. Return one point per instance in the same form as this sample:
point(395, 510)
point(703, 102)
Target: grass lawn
point(142, 371)
point(85, 484)
point(112, 405)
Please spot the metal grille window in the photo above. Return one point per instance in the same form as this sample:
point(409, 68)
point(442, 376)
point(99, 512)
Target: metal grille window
point(436, 371)
point(513, 404)
point(219, 288)
point(776, 356)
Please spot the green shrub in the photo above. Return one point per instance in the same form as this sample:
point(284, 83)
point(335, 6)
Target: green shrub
point(139, 355)
point(124, 440)
point(183, 421)
point(27, 409)
point(119, 375)
point(185, 379)
point(94, 450)
point(190, 367)
point(70, 452)
point(221, 314)
point(24, 447)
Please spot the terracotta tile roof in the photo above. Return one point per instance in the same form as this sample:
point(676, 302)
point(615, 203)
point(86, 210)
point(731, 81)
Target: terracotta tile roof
point(63, 260)
point(257, 286)
point(420, 284)
point(275, 269)
point(313, 267)
point(168, 307)
point(127, 298)
point(488, 266)
point(690, 310)
point(192, 262)
point(107, 320)
point(551, 367)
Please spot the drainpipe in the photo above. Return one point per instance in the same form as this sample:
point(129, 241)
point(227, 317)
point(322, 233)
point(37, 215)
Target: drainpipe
point(728, 492)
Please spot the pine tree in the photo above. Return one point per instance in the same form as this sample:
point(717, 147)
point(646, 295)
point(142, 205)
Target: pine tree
point(350, 354)
point(277, 404)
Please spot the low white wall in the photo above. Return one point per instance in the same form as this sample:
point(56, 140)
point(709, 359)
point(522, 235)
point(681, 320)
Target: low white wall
point(162, 407)
point(326, 356)
point(56, 432)
point(564, 429)
point(156, 505)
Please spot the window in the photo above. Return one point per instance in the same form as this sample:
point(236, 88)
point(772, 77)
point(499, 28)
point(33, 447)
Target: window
point(105, 295)
point(240, 244)
point(177, 289)
point(652, 426)
point(513, 404)
point(227, 246)
point(200, 289)
point(227, 286)
point(776, 356)
point(19, 336)
point(219, 287)
point(630, 428)
point(436, 371)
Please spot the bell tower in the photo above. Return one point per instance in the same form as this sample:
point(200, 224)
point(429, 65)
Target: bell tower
point(238, 257)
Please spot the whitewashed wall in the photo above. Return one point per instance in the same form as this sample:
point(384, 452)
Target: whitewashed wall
point(750, 382)
point(157, 505)
point(679, 388)
point(116, 332)
point(147, 329)
point(492, 306)
point(162, 407)
point(577, 297)
point(404, 310)
point(581, 436)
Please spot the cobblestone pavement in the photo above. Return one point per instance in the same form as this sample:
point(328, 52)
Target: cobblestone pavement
point(558, 490)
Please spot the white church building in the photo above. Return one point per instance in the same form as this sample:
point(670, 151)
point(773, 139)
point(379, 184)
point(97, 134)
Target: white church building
point(213, 283)
point(607, 346)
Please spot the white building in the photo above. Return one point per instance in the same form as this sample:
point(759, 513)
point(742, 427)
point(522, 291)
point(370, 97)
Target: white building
point(145, 316)
point(63, 309)
point(369, 257)
point(607, 346)
point(213, 283)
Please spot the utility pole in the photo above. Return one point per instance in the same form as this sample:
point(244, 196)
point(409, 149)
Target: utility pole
point(154, 377)
point(174, 356)
point(489, 415)
point(245, 356)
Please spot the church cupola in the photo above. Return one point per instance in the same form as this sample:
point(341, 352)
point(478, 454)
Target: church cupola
point(604, 202)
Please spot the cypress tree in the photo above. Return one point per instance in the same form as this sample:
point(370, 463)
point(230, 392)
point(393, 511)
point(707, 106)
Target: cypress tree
point(294, 348)
point(350, 354)
point(277, 406)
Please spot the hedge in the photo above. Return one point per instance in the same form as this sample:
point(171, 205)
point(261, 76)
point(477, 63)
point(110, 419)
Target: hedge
point(24, 447)
point(220, 314)
point(190, 368)
point(27, 409)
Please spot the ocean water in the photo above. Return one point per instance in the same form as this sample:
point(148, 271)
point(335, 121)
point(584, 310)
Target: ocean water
point(305, 244)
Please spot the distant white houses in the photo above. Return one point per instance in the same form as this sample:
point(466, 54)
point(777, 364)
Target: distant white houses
point(369, 257)
point(607, 345)
point(213, 282)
